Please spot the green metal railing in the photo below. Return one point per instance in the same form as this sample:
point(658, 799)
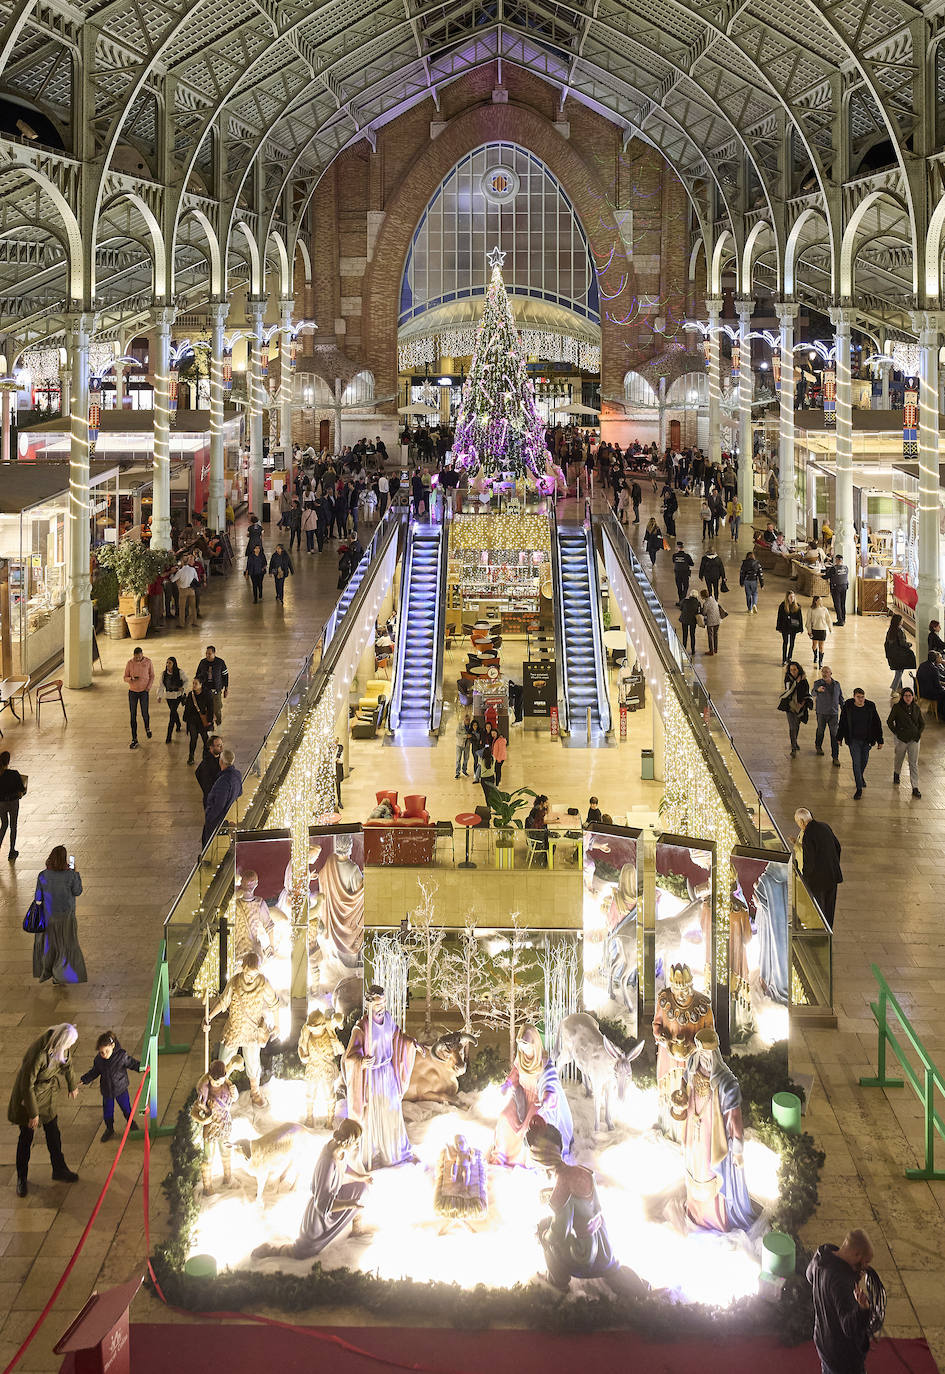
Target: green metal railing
point(157, 1038)
point(924, 1082)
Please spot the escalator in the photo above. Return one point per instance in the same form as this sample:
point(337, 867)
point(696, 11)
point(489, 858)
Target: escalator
point(417, 697)
point(579, 631)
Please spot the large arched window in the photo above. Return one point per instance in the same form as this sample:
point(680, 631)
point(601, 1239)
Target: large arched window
point(499, 194)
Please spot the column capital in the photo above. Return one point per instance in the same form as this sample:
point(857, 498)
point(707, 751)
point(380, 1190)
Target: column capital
point(842, 317)
point(218, 311)
point(257, 306)
point(287, 305)
point(930, 324)
point(81, 322)
point(163, 316)
point(787, 310)
point(744, 307)
point(713, 305)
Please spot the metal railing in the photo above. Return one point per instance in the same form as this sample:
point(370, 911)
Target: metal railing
point(811, 936)
point(208, 885)
point(924, 1081)
point(157, 1041)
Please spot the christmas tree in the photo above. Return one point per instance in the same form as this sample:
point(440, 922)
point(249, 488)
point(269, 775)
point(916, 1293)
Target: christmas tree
point(499, 430)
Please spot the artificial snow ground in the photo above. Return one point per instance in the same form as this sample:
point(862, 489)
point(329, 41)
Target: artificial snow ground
point(639, 1178)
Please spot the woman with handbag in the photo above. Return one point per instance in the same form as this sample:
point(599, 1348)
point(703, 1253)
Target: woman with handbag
point(653, 539)
point(56, 951)
point(795, 702)
point(899, 653)
point(790, 623)
point(711, 619)
point(172, 688)
point(46, 1064)
point(12, 788)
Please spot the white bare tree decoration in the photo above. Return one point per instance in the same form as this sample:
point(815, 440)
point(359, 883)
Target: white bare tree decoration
point(423, 948)
point(514, 975)
point(463, 975)
point(389, 968)
point(559, 964)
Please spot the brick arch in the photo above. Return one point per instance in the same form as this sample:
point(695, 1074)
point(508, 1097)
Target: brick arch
point(581, 182)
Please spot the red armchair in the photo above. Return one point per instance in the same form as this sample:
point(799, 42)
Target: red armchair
point(392, 798)
point(415, 809)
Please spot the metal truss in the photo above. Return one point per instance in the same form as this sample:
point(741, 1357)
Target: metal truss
point(181, 144)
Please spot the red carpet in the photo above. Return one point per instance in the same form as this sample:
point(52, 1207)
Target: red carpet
point(195, 1347)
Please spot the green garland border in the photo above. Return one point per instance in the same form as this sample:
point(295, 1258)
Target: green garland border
point(535, 1305)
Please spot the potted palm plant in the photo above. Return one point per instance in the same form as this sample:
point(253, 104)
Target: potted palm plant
point(135, 566)
point(504, 806)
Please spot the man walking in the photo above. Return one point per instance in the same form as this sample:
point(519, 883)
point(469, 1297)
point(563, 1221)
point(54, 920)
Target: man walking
point(208, 769)
point(861, 728)
point(841, 1308)
point(906, 722)
point(828, 698)
point(139, 675)
point(463, 742)
point(293, 521)
point(682, 565)
point(280, 567)
point(712, 572)
point(213, 674)
point(185, 578)
point(222, 795)
point(838, 577)
point(820, 862)
point(383, 495)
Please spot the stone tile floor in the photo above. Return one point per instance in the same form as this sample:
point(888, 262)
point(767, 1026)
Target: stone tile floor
point(133, 821)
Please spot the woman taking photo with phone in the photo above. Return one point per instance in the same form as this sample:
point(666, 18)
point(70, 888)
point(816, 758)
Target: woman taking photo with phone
point(56, 952)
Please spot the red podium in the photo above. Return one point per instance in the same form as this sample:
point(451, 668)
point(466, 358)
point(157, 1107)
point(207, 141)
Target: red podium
point(98, 1338)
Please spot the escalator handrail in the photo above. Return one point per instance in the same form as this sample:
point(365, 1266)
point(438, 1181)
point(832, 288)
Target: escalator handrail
point(597, 623)
point(561, 656)
point(436, 686)
point(400, 647)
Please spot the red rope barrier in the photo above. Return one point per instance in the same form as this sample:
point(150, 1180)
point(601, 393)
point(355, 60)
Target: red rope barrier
point(85, 1234)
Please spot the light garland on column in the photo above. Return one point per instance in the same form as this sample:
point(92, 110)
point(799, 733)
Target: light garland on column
point(695, 807)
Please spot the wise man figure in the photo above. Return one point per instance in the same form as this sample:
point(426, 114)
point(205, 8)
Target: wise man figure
point(680, 1014)
point(377, 1067)
point(709, 1106)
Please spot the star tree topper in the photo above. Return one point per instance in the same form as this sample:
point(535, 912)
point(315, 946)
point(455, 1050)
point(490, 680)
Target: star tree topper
point(496, 258)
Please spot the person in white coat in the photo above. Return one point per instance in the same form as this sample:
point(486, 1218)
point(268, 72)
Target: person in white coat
point(819, 627)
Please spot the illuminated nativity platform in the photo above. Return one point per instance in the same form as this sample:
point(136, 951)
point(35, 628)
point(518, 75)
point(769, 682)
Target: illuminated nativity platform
point(498, 1107)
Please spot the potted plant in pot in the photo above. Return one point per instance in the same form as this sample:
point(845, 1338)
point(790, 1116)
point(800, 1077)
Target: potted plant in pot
point(135, 566)
point(504, 806)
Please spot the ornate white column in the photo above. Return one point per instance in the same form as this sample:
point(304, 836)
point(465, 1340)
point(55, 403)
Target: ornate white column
point(255, 310)
point(118, 372)
point(285, 384)
point(929, 325)
point(846, 532)
point(746, 482)
point(7, 398)
point(216, 503)
point(78, 637)
point(714, 310)
point(65, 383)
point(788, 312)
point(161, 372)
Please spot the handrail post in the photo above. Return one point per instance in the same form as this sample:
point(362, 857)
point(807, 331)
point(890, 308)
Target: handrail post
point(929, 1120)
point(882, 1023)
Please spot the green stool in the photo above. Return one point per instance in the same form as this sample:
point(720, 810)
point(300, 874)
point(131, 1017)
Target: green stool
point(786, 1109)
point(201, 1267)
point(778, 1256)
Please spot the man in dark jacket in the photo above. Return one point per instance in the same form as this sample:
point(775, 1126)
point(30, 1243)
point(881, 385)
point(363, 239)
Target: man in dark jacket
point(221, 796)
point(906, 722)
point(280, 567)
point(841, 1308)
point(838, 576)
point(682, 565)
point(820, 855)
point(670, 507)
point(712, 572)
point(213, 673)
point(636, 496)
point(861, 728)
point(751, 577)
point(110, 1066)
point(208, 769)
point(828, 699)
